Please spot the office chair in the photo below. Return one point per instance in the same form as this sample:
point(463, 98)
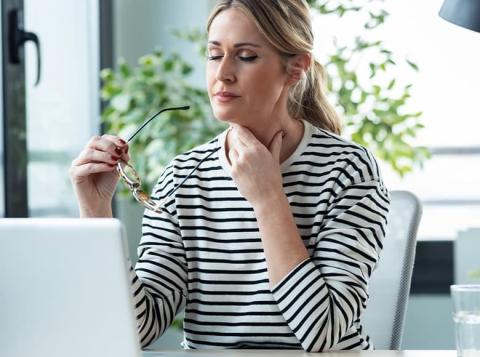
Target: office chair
point(389, 286)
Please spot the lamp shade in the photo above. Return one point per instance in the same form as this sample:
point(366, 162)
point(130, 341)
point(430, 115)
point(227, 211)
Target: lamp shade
point(464, 13)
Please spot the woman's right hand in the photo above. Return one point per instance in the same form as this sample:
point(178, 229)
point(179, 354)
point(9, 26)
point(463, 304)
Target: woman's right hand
point(94, 177)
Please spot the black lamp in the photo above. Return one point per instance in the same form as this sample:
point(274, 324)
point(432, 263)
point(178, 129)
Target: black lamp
point(464, 13)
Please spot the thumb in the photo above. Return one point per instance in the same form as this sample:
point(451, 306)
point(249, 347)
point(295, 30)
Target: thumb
point(276, 145)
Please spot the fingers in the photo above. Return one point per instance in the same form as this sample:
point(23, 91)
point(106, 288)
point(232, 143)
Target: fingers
point(89, 155)
point(233, 156)
point(244, 136)
point(115, 139)
point(236, 140)
point(105, 149)
point(78, 172)
point(121, 146)
point(244, 140)
point(108, 143)
point(101, 154)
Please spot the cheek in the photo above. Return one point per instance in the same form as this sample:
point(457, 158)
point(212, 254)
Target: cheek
point(268, 84)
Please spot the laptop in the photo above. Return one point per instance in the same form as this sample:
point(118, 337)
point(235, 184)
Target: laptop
point(65, 289)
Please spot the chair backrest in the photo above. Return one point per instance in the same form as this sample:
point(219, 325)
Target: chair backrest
point(389, 286)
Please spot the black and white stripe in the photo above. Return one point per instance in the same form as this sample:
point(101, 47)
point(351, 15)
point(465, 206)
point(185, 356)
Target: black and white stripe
point(205, 254)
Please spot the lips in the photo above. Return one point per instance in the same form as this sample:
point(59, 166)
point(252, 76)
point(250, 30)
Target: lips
point(224, 97)
point(225, 94)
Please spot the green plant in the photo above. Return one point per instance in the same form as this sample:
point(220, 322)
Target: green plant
point(134, 94)
point(373, 111)
point(474, 275)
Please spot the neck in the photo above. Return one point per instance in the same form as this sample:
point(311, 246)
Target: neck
point(264, 129)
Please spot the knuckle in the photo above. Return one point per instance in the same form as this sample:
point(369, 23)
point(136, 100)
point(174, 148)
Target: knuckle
point(73, 172)
point(94, 139)
point(248, 155)
point(111, 146)
point(256, 148)
point(88, 153)
point(241, 160)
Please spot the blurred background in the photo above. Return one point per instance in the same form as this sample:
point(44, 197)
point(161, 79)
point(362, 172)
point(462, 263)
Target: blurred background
point(406, 81)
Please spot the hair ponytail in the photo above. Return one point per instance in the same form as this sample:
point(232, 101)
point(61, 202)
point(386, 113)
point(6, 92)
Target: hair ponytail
point(308, 100)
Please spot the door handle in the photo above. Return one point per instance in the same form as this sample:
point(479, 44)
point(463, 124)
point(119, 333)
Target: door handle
point(16, 39)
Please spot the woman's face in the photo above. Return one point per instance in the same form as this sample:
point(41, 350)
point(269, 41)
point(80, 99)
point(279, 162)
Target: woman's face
point(245, 74)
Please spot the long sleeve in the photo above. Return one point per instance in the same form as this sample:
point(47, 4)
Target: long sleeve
point(206, 252)
point(324, 296)
point(159, 281)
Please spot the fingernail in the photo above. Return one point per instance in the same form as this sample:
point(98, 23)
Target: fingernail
point(115, 158)
point(118, 151)
point(123, 141)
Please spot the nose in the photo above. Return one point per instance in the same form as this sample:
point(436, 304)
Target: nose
point(225, 70)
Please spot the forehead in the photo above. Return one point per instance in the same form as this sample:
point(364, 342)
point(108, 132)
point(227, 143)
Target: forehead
point(233, 25)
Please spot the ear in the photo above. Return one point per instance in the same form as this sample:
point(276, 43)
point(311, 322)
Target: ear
point(297, 67)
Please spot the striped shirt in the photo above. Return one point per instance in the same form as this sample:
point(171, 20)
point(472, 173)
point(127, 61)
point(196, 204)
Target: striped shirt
point(205, 254)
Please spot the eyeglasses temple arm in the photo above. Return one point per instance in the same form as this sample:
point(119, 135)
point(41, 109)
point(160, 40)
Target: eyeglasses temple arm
point(154, 116)
point(191, 172)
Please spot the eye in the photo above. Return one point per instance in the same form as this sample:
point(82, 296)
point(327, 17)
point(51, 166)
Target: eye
point(248, 58)
point(214, 54)
point(214, 58)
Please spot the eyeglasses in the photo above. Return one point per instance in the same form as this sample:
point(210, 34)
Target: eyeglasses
point(131, 178)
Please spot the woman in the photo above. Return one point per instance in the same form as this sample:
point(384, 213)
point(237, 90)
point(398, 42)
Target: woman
point(271, 242)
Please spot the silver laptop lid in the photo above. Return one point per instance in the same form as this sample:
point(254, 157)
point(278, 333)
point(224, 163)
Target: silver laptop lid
point(65, 289)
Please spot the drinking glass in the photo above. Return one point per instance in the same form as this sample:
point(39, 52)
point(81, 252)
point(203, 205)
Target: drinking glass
point(466, 315)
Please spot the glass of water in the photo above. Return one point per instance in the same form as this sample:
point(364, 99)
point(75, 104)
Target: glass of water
point(466, 315)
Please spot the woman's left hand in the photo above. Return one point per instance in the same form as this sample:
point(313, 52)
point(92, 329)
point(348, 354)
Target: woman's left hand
point(256, 168)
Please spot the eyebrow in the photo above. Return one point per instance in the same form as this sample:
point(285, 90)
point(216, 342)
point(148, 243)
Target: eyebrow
point(241, 44)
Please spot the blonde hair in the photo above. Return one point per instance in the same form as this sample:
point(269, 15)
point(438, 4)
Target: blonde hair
point(286, 25)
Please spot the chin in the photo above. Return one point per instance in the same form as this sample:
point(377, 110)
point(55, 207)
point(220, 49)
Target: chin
point(227, 116)
point(224, 120)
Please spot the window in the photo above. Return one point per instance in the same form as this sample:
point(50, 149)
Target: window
point(63, 111)
point(446, 89)
point(2, 155)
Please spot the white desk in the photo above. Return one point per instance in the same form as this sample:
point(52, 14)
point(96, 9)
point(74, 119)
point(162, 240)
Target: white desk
point(295, 353)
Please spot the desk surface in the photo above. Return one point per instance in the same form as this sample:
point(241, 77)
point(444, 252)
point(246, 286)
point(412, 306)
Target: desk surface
point(295, 353)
